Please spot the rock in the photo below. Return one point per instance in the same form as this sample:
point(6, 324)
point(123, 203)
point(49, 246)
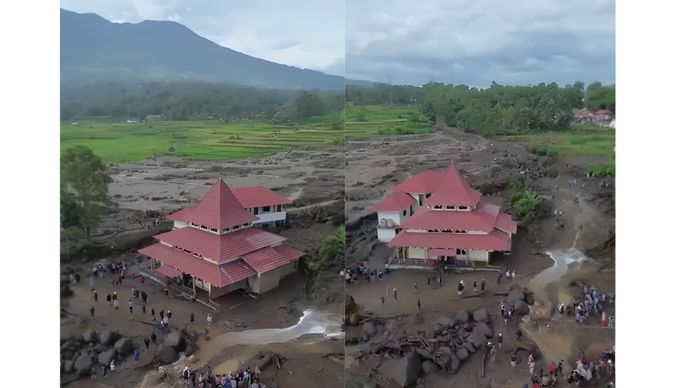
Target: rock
point(105, 357)
point(454, 363)
point(166, 354)
point(83, 364)
point(480, 315)
point(469, 347)
point(369, 329)
point(90, 335)
point(462, 316)
point(191, 334)
point(483, 329)
point(189, 349)
point(521, 307)
point(108, 337)
point(124, 346)
point(443, 323)
point(176, 340)
point(407, 369)
point(354, 319)
point(514, 296)
point(67, 366)
point(476, 339)
point(429, 367)
point(462, 354)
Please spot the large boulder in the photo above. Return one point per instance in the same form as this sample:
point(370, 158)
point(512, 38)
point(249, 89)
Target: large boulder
point(469, 347)
point(108, 337)
point(443, 323)
point(480, 315)
point(521, 307)
point(106, 356)
point(67, 366)
point(189, 349)
point(462, 316)
point(483, 329)
point(476, 339)
point(83, 364)
point(166, 354)
point(124, 346)
point(462, 354)
point(176, 340)
point(429, 367)
point(90, 335)
point(407, 369)
point(514, 296)
point(454, 363)
point(369, 329)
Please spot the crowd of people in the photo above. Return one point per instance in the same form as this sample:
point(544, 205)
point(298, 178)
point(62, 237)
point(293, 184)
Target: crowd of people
point(361, 271)
point(205, 378)
point(592, 303)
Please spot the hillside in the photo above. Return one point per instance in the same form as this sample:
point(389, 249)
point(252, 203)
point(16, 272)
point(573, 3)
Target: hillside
point(94, 49)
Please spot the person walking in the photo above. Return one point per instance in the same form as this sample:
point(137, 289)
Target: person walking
point(153, 314)
point(499, 340)
point(461, 288)
point(161, 314)
point(112, 365)
point(475, 287)
point(191, 317)
point(137, 353)
point(153, 338)
point(419, 305)
point(147, 341)
point(512, 275)
point(507, 274)
point(107, 299)
point(513, 358)
point(209, 318)
point(167, 292)
point(130, 305)
point(115, 304)
point(483, 285)
point(492, 354)
point(395, 294)
point(95, 296)
point(383, 299)
point(530, 365)
point(92, 310)
point(114, 295)
point(144, 296)
point(143, 309)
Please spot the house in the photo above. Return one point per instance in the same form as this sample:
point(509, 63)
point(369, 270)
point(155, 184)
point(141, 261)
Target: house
point(603, 116)
point(153, 117)
point(268, 206)
point(215, 248)
point(582, 116)
point(435, 217)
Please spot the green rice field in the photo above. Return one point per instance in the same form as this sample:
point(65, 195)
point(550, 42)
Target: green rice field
point(577, 142)
point(376, 120)
point(197, 140)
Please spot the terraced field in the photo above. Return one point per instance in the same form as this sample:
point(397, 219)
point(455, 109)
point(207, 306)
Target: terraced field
point(196, 140)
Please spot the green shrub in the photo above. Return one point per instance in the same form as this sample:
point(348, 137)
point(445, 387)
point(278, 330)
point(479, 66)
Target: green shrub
point(600, 170)
point(523, 202)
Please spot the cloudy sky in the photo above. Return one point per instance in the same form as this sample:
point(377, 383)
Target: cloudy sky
point(479, 41)
point(303, 33)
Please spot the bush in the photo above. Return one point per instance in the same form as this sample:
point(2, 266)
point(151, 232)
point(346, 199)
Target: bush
point(600, 170)
point(523, 202)
point(331, 252)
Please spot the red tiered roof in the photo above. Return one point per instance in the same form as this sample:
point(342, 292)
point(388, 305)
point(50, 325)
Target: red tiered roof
point(394, 202)
point(494, 241)
point(483, 218)
point(505, 223)
point(453, 190)
point(251, 197)
point(219, 209)
point(220, 247)
point(218, 275)
point(423, 183)
point(270, 258)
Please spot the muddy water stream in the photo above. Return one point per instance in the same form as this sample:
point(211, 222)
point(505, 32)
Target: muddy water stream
point(564, 260)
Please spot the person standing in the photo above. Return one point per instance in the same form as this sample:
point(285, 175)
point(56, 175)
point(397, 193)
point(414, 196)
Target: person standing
point(107, 299)
point(153, 338)
point(144, 296)
point(153, 314)
point(114, 295)
point(383, 299)
point(395, 294)
point(483, 285)
point(95, 296)
point(115, 304)
point(191, 317)
point(209, 318)
point(137, 352)
point(419, 305)
point(147, 341)
point(475, 287)
point(512, 275)
point(513, 358)
point(416, 288)
point(461, 288)
point(92, 310)
point(498, 279)
point(143, 309)
point(161, 314)
point(130, 305)
point(112, 365)
point(499, 340)
point(507, 274)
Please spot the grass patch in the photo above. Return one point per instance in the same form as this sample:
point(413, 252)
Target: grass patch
point(365, 121)
point(580, 143)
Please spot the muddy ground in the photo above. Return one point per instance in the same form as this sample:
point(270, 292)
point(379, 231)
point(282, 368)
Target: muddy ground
point(585, 221)
point(151, 189)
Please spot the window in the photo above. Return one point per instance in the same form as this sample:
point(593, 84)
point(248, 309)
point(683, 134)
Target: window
point(214, 230)
point(266, 209)
point(247, 224)
point(463, 231)
point(235, 227)
point(256, 210)
point(279, 208)
point(428, 195)
point(462, 207)
point(438, 207)
point(405, 212)
point(450, 207)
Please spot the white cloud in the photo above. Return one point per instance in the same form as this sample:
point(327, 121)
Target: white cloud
point(155, 9)
point(174, 17)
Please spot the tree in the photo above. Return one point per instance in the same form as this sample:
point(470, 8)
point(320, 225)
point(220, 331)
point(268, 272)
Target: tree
point(309, 105)
point(84, 189)
point(331, 251)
